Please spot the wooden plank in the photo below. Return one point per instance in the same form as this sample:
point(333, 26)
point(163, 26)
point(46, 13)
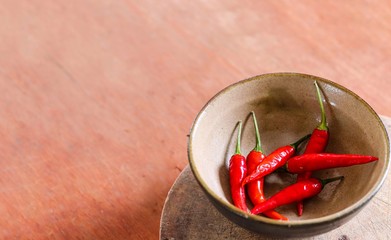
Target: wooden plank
point(188, 214)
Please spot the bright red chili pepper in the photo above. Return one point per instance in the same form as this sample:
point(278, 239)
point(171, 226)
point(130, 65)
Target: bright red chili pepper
point(275, 160)
point(255, 188)
point(316, 144)
point(293, 193)
point(320, 161)
point(237, 172)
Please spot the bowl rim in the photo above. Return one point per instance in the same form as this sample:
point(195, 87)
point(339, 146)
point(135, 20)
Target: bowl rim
point(290, 223)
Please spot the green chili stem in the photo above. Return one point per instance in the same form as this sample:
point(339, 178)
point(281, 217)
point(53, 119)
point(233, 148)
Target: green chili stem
point(298, 142)
point(258, 144)
point(237, 151)
point(329, 180)
point(323, 123)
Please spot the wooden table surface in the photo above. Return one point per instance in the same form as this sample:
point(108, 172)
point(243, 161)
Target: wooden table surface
point(97, 97)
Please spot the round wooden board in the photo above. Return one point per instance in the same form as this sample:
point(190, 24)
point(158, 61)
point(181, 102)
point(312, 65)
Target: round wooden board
point(188, 214)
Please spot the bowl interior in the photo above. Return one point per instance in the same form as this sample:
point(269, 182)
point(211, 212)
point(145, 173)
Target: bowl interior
point(286, 107)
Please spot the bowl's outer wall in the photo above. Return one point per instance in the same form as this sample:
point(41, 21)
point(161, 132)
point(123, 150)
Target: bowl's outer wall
point(280, 231)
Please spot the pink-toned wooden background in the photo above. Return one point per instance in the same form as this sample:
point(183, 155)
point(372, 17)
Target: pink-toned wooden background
point(97, 97)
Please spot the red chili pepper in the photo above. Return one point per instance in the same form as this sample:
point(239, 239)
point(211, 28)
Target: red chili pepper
point(316, 144)
point(275, 160)
point(320, 161)
point(255, 188)
point(293, 193)
point(237, 172)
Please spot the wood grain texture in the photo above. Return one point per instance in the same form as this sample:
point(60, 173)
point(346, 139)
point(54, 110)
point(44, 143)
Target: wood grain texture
point(188, 214)
point(98, 96)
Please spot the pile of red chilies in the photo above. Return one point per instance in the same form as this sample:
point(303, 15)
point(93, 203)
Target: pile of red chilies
point(247, 174)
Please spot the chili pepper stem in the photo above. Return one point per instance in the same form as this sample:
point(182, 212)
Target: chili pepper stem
point(284, 168)
point(298, 142)
point(237, 150)
point(323, 123)
point(329, 180)
point(258, 144)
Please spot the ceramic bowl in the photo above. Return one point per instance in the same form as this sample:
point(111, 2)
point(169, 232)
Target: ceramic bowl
point(287, 108)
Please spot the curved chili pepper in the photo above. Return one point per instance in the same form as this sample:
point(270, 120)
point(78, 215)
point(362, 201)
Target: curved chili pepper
point(255, 188)
point(293, 193)
point(320, 161)
point(316, 144)
point(275, 160)
point(237, 172)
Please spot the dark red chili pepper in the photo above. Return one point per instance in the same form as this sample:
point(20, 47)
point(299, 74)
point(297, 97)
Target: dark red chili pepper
point(275, 160)
point(255, 188)
point(316, 144)
point(237, 172)
point(293, 193)
point(320, 161)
